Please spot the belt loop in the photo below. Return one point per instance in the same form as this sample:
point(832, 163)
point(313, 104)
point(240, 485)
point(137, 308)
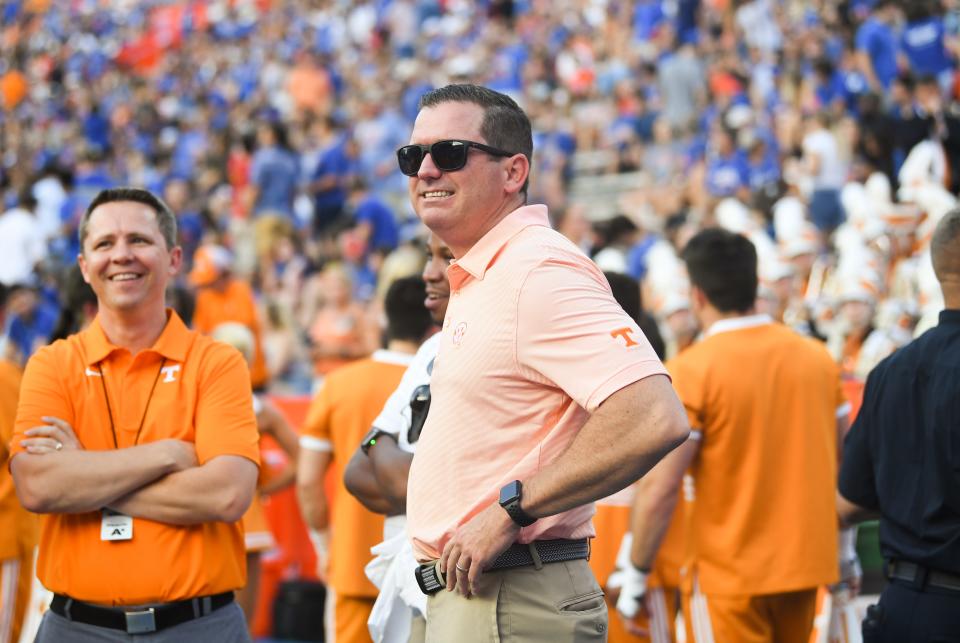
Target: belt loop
point(66, 608)
point(195, 604)
point(920, 579)
point(535, 555)
point(207, 605)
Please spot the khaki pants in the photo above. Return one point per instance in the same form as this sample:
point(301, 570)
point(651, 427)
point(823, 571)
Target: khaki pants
point(418, 629)
point(558, 603)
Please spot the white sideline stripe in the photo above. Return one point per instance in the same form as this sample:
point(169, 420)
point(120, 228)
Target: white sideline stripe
point(659, 632)
point(8, 597)
point(702, 627)
point(315, 444)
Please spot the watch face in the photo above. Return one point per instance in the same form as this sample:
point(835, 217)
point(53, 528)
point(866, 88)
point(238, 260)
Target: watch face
point(370, 439)
point(510, 492)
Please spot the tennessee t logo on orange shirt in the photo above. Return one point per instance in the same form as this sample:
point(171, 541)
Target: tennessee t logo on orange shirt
point(625, 333)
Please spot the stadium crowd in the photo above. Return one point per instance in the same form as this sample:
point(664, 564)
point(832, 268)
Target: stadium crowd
point(826, 132)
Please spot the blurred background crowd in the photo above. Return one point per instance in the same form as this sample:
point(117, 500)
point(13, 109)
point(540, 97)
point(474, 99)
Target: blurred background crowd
point(824, 130)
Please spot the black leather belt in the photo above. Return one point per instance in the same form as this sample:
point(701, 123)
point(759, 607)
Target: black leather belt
point(139, 620)
point(920, 576)
point(537, 553)
point(542, 551)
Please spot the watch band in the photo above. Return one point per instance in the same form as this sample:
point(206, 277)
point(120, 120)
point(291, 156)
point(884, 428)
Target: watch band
point(371, 438)
point(510, 496)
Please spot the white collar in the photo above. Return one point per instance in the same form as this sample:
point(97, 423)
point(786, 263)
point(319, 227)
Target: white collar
point(392, 357)
point(738, 323)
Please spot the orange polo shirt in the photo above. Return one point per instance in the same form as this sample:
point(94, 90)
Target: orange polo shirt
point(765, 401)
point(340, 415)
point(19, 532)
point(202, 395)
point(234, 304)
point(532, 343)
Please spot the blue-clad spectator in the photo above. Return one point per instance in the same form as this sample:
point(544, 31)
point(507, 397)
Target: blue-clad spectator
point(727, 171)
point(876, 44)
point(328, 185)
point(190, 224)
point(31, 319)
point(828, 85)
point(648, 15)
point(853, 82)
point(90, 176)
point(763, 165)
point(374, 220)
point(923, 43)
point(96, 129)
point(274, 172)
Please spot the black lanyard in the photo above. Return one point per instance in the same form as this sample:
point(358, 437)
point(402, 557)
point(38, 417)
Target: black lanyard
point(143, 418)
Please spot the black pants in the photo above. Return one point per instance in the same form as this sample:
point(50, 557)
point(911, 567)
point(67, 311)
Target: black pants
point(906, 615)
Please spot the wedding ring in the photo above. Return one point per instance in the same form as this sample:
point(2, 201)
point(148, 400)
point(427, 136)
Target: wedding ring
point(461, 569)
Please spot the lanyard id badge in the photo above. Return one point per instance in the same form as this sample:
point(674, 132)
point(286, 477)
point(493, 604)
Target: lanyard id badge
point(115, 526)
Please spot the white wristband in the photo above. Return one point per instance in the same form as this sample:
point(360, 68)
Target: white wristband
point(632, 591)
point(320, 539)
point(848, 543)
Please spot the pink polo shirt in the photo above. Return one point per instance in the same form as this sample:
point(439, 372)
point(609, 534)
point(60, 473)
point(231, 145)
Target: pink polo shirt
point(533, 342)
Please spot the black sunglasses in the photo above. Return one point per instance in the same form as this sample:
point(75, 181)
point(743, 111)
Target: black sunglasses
point(448, 156)
point(419, 407)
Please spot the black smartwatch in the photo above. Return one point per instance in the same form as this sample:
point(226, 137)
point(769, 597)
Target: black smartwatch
point(371, 438)
point(510, 496)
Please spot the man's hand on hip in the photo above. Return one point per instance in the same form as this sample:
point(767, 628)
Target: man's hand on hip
point(474, 546)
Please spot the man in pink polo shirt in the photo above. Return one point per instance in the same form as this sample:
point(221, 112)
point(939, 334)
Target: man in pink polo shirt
point(545, 395)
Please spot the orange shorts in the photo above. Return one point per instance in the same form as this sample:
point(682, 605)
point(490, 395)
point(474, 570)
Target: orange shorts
point(350, 616)
point(765, 618)
point(660, 623)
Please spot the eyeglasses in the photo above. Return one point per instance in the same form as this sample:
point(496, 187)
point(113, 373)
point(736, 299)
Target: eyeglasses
point(448, 156)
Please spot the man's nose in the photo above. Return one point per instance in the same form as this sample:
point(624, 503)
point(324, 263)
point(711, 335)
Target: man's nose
point(428, 168)
point(121, 252)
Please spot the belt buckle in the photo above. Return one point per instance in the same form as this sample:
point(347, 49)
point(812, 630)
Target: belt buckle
point(141, 621)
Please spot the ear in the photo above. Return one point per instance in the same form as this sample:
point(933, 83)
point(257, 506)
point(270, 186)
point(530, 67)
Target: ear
point(82, 262)
point(517, 169)
point(176, 260)
point(698, 298)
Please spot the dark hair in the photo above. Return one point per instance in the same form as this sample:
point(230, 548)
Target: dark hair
point(626, 290)
point(26, 199)
point(407, 317)
point(724, 266)
point(166, 221)
point(505, 125)
point(945, 246)
point(75, 293)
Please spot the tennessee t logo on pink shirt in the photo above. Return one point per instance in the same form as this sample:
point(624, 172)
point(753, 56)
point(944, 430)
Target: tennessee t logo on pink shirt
point(625, 333)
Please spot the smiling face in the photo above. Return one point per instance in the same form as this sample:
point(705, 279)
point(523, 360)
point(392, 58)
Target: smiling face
point(125, 258)
point(435, 278)
point(463, 205)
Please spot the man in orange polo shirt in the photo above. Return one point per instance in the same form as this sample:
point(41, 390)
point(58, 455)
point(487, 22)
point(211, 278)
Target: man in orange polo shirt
point(544, 393)
point(18, 536)
point(136, 439)
point(222, 298)
point(766, 409)
point(341, 414)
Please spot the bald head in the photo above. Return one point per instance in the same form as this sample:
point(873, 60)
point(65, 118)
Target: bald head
point(945, 247)
point(945, 254)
